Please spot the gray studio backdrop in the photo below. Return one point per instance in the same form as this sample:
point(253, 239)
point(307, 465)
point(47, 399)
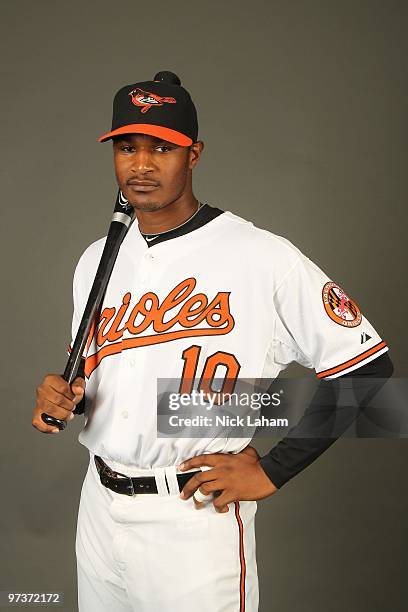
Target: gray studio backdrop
point(302, 107)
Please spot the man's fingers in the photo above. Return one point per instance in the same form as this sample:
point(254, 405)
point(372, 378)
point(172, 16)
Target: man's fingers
point(201, 499)
point(78, 387)
point(56, 411)
point(220, 497)
point(221, 502)
point(208, 477)
point(79, 381)
point(208, 488)
point(57, 399)
point(58, 384)
point(43, 427)
point(210, 460)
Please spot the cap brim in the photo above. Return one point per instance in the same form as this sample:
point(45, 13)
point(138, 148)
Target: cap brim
point(152, 130)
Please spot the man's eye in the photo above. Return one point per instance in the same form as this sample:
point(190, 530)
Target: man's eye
point(161, 148)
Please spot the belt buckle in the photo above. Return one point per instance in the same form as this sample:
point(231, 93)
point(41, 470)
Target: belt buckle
point(131, 486)
point(107, 472)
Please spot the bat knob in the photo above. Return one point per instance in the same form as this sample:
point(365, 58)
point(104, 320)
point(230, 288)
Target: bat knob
point(49, 420)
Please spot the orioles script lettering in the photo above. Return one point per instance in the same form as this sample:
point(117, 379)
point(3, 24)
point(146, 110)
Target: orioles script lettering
point(181, 314)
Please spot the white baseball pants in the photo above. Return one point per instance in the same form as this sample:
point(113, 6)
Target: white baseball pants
point(158, 553)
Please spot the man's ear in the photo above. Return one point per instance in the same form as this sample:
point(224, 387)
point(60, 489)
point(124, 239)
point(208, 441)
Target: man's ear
point(196, 150)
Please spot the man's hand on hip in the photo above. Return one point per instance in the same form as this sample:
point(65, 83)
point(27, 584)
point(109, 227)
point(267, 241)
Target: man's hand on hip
point(233, 477)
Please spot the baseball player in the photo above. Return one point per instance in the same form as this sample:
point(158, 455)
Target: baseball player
point(167, 524)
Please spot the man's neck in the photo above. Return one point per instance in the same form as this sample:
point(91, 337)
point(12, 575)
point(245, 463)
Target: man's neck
point(165, 219)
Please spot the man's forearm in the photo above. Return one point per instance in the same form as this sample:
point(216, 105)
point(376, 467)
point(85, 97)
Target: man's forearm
point(294, 453)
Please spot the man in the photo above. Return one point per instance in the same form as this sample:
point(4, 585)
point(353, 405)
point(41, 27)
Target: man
point(195, 291)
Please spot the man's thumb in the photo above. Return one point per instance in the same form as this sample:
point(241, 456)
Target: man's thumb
point(78, 388)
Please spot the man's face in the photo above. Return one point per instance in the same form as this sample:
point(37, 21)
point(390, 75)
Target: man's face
point(153, 173)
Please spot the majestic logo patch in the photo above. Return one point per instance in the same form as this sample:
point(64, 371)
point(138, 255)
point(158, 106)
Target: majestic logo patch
point(146, 99)
point(340, 307)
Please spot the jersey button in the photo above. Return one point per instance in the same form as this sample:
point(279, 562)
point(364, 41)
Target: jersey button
point(125, 414)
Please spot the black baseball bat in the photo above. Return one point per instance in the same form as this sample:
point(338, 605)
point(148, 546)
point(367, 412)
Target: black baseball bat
point(123, 215)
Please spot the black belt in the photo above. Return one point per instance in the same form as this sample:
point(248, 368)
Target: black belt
point(120, 483)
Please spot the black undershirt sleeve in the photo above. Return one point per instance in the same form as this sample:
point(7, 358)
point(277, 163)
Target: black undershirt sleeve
point(293, 454)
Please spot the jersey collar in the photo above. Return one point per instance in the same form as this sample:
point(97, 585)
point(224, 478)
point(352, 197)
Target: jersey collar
point(204, 215)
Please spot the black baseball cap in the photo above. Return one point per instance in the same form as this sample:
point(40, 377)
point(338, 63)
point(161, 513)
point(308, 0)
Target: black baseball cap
point(161, 108)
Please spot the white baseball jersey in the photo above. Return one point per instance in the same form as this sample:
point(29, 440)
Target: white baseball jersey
point(226, 298)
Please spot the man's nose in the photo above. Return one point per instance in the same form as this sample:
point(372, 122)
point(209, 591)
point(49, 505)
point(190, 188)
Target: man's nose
point(142, 160)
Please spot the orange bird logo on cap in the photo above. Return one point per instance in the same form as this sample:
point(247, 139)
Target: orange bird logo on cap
point(146, 99)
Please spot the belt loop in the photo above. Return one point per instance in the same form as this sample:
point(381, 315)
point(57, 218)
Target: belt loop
point(172, 481)
point(160, 476)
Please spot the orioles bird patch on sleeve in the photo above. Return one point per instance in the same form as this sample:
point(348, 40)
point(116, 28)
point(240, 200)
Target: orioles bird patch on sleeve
point(339, 306)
